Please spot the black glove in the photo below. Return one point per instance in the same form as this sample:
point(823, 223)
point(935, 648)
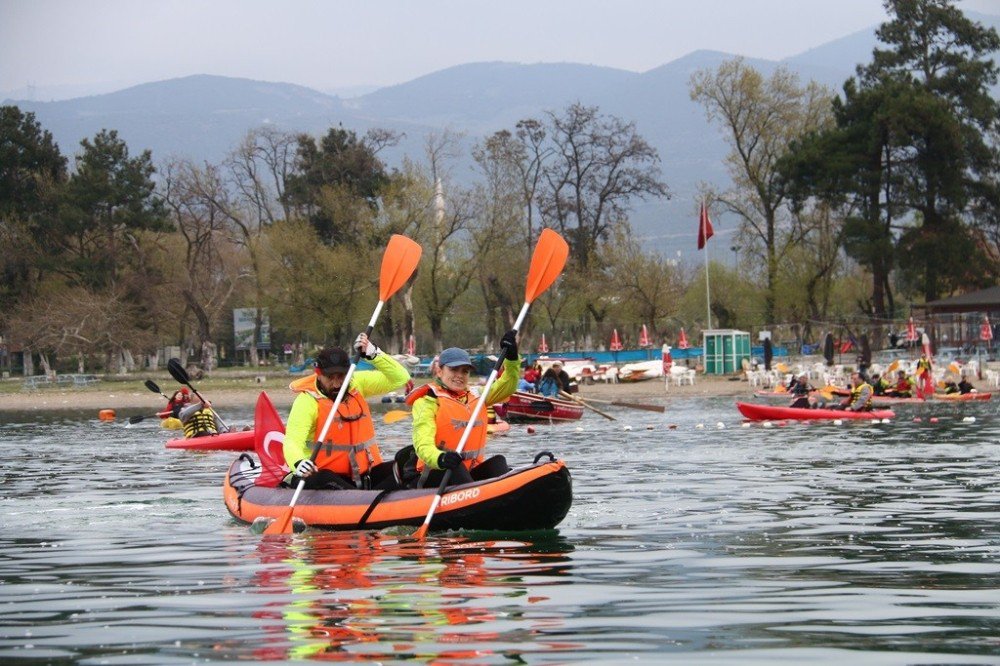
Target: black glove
point(449, 460)
point(509, 343)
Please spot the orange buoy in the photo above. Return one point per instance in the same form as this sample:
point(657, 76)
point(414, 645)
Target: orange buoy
point(106, 415)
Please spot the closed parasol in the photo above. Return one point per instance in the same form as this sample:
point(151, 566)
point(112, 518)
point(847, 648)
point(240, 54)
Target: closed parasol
point(543, 348)
point(828, 349)
point(616, 342)
point(644, 337)
point(682, 341)
point(768, 353)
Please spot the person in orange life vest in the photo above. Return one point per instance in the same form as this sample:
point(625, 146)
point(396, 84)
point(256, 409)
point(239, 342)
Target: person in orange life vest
point(349, 457)
point(441, 411)
point(180, 399)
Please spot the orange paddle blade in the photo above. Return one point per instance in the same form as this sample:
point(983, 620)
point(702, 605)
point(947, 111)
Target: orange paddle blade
point(396, 415)
point(283, 525)
point(398, 263)
point(893, 366)
point(547, 263)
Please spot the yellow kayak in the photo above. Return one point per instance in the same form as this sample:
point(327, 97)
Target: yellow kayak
point(170, 423)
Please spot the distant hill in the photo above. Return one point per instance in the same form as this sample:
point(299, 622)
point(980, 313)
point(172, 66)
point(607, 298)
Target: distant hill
point(203, 117)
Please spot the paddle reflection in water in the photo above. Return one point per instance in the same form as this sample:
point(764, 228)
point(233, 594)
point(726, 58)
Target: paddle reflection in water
point(344, 596)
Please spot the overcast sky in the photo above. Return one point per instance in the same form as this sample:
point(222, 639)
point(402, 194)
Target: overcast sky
point(98, 45)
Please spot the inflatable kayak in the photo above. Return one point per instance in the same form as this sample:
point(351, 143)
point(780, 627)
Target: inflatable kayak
point(756, 412)
point(534, 497)
point(238, 440)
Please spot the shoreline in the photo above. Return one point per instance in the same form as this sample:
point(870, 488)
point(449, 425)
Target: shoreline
point(133, 396)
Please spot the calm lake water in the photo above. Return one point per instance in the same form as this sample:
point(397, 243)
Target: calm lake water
point(810, 543)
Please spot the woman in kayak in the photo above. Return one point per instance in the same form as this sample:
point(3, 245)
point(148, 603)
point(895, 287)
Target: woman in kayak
point(441, 411)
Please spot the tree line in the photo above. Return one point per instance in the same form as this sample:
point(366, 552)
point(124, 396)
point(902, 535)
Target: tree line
point(847, 204)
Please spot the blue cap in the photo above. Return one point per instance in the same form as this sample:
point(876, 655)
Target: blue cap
point(453, 357)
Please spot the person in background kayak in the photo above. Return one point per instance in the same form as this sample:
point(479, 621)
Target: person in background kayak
point(441, 411)
point(199, 419)
point(800, 389)
point(177, 402)
point(860, 399)
point(554, 379)
point(349, 457)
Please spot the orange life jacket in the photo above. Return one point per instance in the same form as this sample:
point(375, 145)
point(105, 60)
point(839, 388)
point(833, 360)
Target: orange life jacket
point(349, 448)
point(452, 418)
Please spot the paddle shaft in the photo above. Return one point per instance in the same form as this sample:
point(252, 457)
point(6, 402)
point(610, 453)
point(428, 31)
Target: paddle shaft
point(572, 397)
point(469, 426)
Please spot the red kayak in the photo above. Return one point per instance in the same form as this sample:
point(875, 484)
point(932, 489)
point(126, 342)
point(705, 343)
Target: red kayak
point(239, 440)
point(756, 412)
point(523, 406)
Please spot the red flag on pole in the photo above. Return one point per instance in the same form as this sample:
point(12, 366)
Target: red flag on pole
point(911, 331)
point(705, 230)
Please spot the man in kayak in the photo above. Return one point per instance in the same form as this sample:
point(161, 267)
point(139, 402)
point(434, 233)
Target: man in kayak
point(441, 411)
point(199, 420)
point(349, 457)
point(860, 399)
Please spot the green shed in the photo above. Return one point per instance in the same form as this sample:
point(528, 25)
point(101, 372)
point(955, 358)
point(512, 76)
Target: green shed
point(725, 350)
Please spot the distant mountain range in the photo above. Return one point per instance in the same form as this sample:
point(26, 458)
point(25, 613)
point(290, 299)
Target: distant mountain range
point(203, 117)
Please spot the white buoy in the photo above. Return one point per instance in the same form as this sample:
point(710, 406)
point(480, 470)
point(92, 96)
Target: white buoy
point(700, 426)
point(720, 425)
point(745, 424)
point(768, 424)
point(969, 419)
point(628, 427)
point(838, 422)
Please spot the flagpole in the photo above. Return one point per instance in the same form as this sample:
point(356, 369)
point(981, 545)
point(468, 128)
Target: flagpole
point(708, 297)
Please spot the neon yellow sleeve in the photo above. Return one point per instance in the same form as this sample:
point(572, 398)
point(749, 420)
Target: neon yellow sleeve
point(300, 431)
point(506, 384)
point(388, 375)
point(425, 430)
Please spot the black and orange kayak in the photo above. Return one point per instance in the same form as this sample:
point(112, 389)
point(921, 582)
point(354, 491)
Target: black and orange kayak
point(529, 498)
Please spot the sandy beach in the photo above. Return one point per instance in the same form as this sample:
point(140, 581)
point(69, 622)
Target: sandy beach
point(131, 394)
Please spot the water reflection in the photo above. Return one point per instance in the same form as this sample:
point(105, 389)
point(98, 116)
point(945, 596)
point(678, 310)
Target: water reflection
point(345, 596)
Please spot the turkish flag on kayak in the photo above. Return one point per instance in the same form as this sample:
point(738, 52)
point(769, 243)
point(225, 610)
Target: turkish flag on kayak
point(705, 230)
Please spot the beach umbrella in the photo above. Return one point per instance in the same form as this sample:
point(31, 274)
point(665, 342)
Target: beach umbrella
point(543, 348)
point(682, 341)
point(411, 345)
point(985, 330)
point(616, 342)
point(644, 337)
point(828, 349)
point(911, 331)
point(768, 353)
